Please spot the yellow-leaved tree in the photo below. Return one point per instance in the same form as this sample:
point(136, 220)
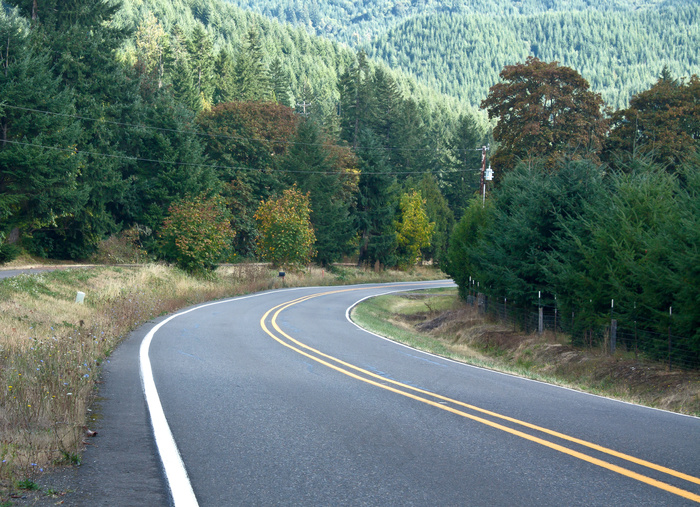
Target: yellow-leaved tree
point(285, 235)
point(413, 230)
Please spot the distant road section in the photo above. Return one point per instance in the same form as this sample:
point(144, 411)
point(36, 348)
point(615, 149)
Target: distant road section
point(8, 273)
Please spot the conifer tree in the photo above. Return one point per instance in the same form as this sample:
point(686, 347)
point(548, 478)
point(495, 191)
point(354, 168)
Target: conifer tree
point(463, 160)
point(280, 83)
point(311, 168)
point(82, 43)
point(376, 204)
point(224, 70)
point(201, 58)
point(251, 74)
point(39, 167)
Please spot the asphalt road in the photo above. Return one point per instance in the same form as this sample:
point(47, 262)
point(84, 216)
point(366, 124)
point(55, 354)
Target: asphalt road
point(272, 403)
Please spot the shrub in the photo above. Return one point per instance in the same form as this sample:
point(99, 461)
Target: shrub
point(196, 233)
point(286, 236)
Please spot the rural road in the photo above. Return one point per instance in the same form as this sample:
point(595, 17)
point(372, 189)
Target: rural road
point(278, 399)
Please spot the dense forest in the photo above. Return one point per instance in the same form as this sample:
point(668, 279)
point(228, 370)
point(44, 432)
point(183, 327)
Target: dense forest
point(459, 47)
point(620, 53)
point(111, 115)
point(194, 132)
point(356, 23)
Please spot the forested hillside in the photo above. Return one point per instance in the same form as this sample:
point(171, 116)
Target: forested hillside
point(193, 132)
point(356, 23)
point(620, 53)
point(112, 115)
point(458, 47)
point(311, 64)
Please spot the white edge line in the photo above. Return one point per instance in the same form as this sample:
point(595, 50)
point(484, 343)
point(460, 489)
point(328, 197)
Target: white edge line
point(347, 316)
point(175, 473)
point(176, 476)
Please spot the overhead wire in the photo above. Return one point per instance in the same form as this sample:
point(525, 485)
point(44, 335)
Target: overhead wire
point(207, 134)
point(215, 166)
point(203, 134)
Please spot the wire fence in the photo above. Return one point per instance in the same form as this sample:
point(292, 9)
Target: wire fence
point(639, 336)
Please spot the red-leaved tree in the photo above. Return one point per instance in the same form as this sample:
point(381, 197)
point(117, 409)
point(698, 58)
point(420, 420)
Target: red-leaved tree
point(544, 110)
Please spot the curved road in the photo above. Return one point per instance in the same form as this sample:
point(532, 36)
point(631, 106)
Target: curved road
point(278, 399)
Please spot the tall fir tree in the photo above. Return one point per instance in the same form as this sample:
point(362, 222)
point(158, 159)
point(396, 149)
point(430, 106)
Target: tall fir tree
point(39, 168)
point(224, 70)
point(252, 76)
point(310, 167)
point(201, 58)
point(280, 83)
point(376, 204)
point(460, 179)
point(82, 42)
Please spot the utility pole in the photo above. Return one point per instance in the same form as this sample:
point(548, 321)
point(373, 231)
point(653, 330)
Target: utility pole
point(303, 105)
point(485, 174)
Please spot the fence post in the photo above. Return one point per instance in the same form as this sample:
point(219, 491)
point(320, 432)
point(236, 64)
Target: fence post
point(636, 351)
point(670, 315)
point(613, 335)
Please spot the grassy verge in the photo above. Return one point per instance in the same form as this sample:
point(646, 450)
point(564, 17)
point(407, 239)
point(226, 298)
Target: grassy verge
point(440, 323)
point(51, 347)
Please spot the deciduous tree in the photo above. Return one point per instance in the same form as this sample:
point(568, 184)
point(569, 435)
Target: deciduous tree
point(413, 230)
point(286, 237)
point(196, 233)
point(544, 111)
point(662, 123)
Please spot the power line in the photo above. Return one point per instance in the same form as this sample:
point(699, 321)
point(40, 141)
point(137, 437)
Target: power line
point(205, 134)
point(211, 166)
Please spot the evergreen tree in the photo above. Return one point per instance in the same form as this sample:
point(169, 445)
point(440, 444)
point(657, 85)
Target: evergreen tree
point(355, 99)
point(311, 168)
point(460, 179)
point(184, 88)
point(224, 70)
point(280, 83)
point(83, 43)
point(39, 168)
point(376, 204)
point(252, 77)
point(201, 58)
point(173, 165)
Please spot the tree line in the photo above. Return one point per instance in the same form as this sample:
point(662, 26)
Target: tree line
point(590, 213)
point(190, 147)
point(109, 130)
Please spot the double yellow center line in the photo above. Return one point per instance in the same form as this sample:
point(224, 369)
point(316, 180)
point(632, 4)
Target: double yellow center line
point(457, 407)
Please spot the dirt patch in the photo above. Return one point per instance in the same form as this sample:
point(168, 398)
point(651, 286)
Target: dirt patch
point(464, 330)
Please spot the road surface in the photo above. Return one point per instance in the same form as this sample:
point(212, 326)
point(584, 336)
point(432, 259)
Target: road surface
point(278, 399)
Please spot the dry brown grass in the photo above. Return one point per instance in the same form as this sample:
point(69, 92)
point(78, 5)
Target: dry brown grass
point(51, 347)
point(471, 336)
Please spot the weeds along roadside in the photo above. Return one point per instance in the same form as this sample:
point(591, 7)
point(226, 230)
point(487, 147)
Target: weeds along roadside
point(51, 348)
point(437, 321)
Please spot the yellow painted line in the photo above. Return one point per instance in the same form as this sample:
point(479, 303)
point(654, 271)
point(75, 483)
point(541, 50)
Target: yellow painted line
point(623, 471)
point(563, 436)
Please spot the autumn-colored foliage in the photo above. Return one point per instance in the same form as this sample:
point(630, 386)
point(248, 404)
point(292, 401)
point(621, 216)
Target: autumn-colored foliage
point(196, 232)
point(413, 230)
point(544, 110)
point(285, 234)
point(248, 134)
point(662, 122)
